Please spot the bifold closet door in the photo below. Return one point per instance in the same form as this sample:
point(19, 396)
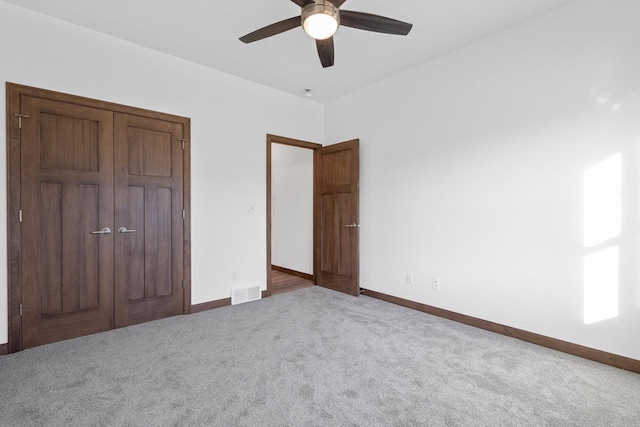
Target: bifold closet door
point(66, 192)
point(148, 219)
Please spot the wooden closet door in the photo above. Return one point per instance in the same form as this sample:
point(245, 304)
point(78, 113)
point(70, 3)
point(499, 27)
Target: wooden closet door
point(66, 195)
point(149, 200)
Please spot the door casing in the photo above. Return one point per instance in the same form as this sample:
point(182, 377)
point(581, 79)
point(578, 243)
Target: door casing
point(14, 237)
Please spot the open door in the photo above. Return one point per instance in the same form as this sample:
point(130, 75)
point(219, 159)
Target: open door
point(336, 217)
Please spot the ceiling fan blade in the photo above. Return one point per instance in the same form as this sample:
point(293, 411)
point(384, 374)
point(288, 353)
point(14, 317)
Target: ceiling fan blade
point(302, 3)
point(272, 30)
point(325, 52)
point(369, 22)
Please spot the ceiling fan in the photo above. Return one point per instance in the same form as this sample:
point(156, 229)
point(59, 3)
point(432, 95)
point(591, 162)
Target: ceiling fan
point(321, 19)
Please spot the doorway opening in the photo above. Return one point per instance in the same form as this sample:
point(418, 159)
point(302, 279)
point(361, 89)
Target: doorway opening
point(335, 224)
point(290, 205)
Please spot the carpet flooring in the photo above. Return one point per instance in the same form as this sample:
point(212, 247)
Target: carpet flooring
point(311, 357)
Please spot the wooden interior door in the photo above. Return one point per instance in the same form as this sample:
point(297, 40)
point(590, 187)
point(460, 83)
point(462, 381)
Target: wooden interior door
point(336, 217)
point(66, 197)
point(149, 200)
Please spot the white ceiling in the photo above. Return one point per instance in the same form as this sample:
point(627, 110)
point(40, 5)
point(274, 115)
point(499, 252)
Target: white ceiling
point(207, 32)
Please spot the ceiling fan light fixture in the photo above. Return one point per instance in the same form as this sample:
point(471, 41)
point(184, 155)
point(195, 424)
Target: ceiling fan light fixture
point(321, 19)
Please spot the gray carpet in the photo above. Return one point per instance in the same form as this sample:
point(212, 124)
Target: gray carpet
point(310, 358)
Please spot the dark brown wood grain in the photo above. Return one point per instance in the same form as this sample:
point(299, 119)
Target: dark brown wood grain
point(80, 280)
point(134, 243)
point(275, 139)
point(326, 52)
point(210, 305)
point(272, 30)
point(336, 205)
point(290, 272)
point(600, 356)
point(164, 243)
point(94, 103)
point(186, 227)
point(151, 256)
point(51, 263)
point(61, 209)
point(87, 247)
point(71, 151)
point(156, 217)
point(376, 23)
point(269, 216)
point(149, 152)
point(4, 349)
point(330, 234)
point(302, 3)
point(345, 241)
point(283, 282)
point(14, 230)
point(72, 143)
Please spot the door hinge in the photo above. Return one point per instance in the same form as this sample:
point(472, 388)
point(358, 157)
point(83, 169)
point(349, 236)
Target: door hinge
point(20, 117)
point(183, 142)
point(20, 215)
point(184, 284)
point(20, 310)
point(184, 214)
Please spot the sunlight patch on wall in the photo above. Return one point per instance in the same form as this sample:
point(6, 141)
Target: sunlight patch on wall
point(601, 285)
point(602, 205)
point(602, 223)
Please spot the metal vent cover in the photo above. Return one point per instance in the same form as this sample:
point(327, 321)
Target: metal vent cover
point(245, 294)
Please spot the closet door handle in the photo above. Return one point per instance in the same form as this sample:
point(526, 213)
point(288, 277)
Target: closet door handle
point(352, 225)
point(123, 230)
point(105, 230)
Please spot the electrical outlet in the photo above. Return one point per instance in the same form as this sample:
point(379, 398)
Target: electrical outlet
point(234, 275)
point(435, 283)
point(409, 279)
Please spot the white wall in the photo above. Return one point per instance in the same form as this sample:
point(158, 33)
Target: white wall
point(473, 167)
point(230, 120)
point(292, 208)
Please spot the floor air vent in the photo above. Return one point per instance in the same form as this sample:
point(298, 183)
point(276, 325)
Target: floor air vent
point(246, 294)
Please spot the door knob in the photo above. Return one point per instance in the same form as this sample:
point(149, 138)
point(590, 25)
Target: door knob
point(123, 230)
point(352, 225)
point(105, 230)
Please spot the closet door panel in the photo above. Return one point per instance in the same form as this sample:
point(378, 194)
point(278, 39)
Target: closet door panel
point(67, 197)
point(149, 203)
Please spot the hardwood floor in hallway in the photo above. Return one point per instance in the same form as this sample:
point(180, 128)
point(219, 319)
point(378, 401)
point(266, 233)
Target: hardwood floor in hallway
point(283, 282)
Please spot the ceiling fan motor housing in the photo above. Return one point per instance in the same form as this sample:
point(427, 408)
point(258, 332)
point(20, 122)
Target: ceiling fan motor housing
point(318, 7)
